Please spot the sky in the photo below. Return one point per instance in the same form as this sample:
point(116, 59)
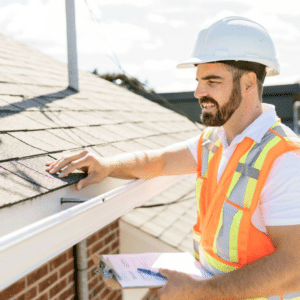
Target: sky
point(148, 38)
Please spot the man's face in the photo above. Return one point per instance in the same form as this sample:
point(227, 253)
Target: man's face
point(218, 95)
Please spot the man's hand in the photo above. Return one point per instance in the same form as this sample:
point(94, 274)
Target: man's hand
point(96, 167)
point(179, 286)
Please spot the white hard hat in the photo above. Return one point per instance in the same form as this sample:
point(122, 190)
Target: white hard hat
point(234, 38)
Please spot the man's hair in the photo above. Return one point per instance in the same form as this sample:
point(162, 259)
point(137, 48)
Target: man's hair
point(238, 68)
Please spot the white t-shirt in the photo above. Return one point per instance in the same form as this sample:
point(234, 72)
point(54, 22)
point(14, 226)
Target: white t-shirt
point(280, 197)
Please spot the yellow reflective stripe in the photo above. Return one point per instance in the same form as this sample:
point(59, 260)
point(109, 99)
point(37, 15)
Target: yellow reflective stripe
point(196, 255)
point(235, 179)
point(196, 236)
point(198, 191)
point(218, 143)
point(199, 183)
point(237, 175)
point(234, 236)
point(244, 157)
point(276, 124)
point(217, 264)
point(217, 232)
point(258, 298)
point(207, 134)
point(260, 160)
point(210, 155)
point(287, 139)
point(250, 189)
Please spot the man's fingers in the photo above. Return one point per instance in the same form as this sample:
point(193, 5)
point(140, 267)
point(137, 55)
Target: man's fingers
point(90, 179)
point(165, 272)
point(64, 161)
point(73, 165)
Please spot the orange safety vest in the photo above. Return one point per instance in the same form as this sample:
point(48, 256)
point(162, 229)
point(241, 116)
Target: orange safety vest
point(224, 237)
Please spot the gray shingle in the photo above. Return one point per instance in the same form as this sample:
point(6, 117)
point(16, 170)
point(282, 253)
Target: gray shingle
point(44, 140)
point(5, 106)
point(11, 147)
point(164, 140)
point(75, 136)
point(101, 133)
point(22, 102)
point(147, 143)
point(107, 150)
point(10, 194)
point(16, 121)
point(129, 146)
point(126, 133)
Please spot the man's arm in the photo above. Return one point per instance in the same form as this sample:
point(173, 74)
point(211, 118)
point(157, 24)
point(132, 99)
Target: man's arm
point(278, 273)
point(173, 160)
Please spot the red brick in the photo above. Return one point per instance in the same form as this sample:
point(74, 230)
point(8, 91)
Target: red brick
point(66, 269)
point(70, 253)
point(59, 260)
point(103, 232)
point(109, 238)
point(115, 245)
point(91, 239)
point(58, 288)
point(93, 282)
point(43, 297)
point(114, 225)
point(113, 295)
point(71, 278)
point(105, 292)
point(67, 293)
point(36, 275)
point(28, 295)
point(13, 290)
point(96, 247)
point(47, 282)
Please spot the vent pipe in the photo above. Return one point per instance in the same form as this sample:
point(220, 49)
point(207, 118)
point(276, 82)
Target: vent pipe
point(72, 46)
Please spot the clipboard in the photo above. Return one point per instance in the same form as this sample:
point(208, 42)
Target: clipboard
point(123, 271)
point(107, 272)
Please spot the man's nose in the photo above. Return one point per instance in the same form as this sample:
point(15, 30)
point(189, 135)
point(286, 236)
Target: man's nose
point(200, 92)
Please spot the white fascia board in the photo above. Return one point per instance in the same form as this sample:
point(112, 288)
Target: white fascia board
point(26, 249)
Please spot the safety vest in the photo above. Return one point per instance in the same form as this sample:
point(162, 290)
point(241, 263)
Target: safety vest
point(224, 237)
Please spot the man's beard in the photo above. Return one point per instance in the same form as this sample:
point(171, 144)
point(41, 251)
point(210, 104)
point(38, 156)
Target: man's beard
point(223, 113)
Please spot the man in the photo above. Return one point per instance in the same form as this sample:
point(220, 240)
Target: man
point(247, 233)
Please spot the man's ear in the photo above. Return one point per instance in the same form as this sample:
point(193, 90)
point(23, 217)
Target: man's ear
point(248, 82)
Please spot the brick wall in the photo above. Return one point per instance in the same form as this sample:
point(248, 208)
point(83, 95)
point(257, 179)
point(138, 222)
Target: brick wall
point(105, 241)
point(55, 279)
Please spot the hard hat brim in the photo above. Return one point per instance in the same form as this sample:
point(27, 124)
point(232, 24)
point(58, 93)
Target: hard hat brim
point(194, 61)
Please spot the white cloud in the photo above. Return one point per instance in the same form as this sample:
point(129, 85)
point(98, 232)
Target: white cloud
point(153, 44)
point(140, 3)
point(289, 7)
point(176, 86)
point(132, 69)
point(39, 24)
point(113, 36)
point(177, 23)
point(278, 29)
point(154, 18)
point(159, 65)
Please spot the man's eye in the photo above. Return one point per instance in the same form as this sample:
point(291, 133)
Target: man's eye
point(213, 82)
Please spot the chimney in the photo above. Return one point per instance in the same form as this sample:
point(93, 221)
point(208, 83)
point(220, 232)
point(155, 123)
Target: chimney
point(72, 47)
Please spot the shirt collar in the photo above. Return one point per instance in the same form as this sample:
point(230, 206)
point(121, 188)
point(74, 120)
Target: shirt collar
point(256, 130)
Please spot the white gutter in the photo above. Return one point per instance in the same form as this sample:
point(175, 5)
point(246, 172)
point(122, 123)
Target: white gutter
point(28, 248)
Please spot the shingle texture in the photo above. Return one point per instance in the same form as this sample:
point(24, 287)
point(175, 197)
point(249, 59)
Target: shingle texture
point(170, 216)
point(41, 119)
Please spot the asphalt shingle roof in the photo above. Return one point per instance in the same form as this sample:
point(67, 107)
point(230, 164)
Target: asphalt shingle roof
point(41, 119)
point(171, 223)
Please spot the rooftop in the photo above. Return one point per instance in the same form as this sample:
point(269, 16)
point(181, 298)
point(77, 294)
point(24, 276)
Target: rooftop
point(41, 119)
